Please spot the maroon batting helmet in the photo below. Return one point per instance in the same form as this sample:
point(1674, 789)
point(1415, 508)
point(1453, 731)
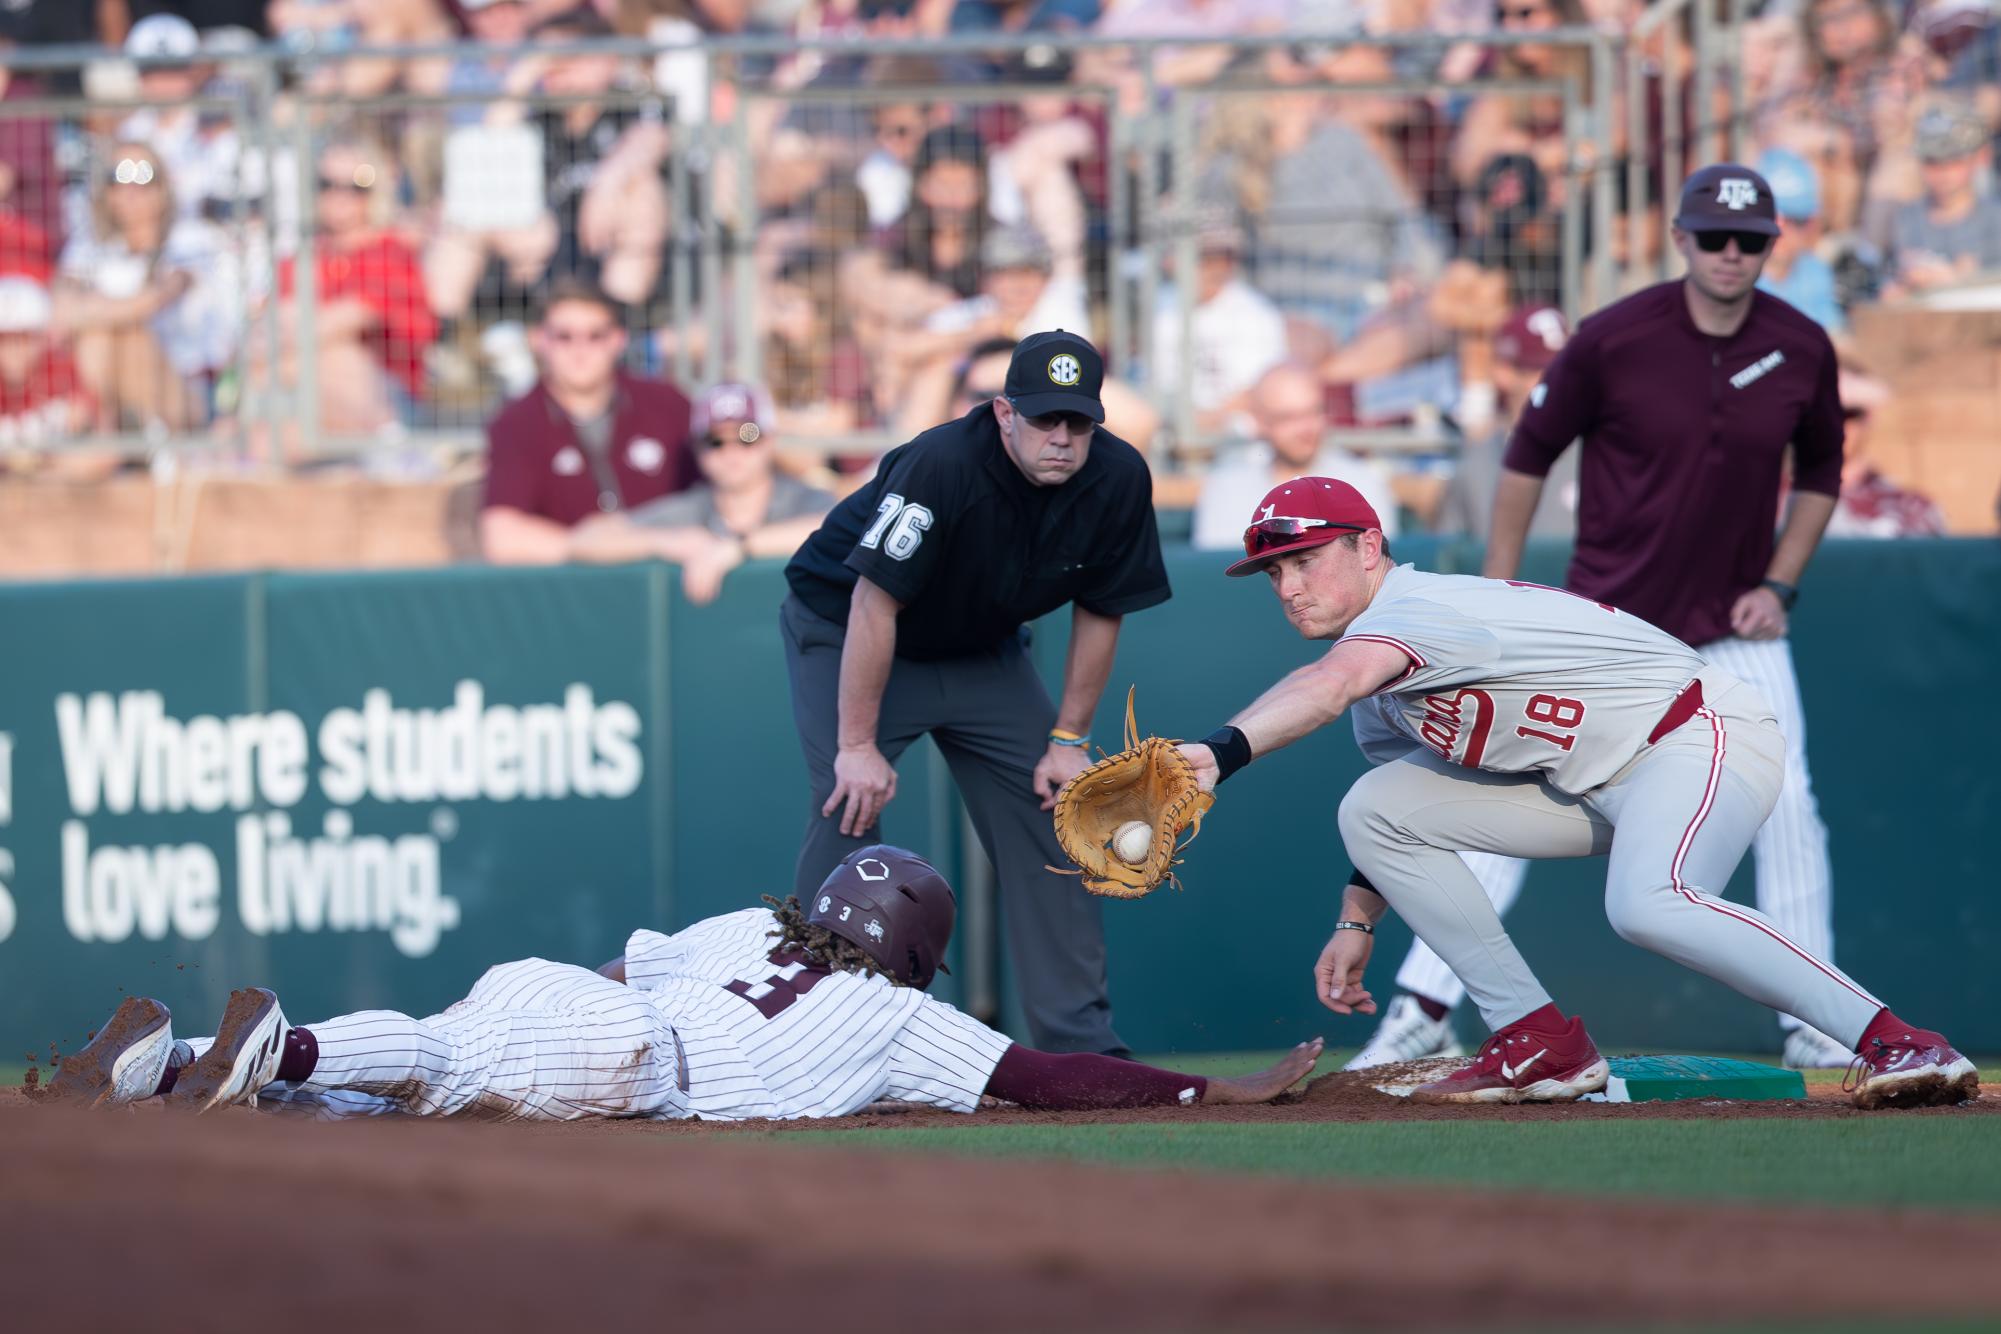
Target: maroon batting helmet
point(894, 906)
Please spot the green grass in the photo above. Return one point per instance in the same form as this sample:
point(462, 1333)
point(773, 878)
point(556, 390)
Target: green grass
point(1936, 1162)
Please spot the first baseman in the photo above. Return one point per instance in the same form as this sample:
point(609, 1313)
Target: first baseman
point(803, 1011)
point(1511, 718)
point(1688, 398)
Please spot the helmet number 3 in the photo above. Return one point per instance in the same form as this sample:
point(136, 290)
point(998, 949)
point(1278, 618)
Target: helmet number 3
point(898, 528)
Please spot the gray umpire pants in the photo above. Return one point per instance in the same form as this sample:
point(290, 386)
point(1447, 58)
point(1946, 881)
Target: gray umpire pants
point(1675, 823)
point(989, 715)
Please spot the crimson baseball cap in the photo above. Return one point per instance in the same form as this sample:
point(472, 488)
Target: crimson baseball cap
point(1056, 372)
point(1304, 512)
point(1727, 198)
point(746, 404)
point(1531, 337)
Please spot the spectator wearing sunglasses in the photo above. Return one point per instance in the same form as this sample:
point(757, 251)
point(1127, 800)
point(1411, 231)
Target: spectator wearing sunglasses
point(744, 508)
point(152, 299)
point(587, 439)
point(372, 324)
point(1687, 396)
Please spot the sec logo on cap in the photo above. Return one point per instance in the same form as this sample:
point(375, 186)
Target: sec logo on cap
point(1065, 370)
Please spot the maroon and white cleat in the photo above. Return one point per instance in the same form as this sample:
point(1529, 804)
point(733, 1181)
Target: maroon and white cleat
point(1909, 1067)
point(1541, 1057)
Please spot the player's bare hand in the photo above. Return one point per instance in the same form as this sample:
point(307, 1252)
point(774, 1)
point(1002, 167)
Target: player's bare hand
point(1265, 1085)
point(866, 782)
point(1058, 765)
point(1203, 761)
point(1337, 978)
point(1758, 614)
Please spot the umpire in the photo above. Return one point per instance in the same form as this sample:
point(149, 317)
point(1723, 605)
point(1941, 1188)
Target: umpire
point(907, 616)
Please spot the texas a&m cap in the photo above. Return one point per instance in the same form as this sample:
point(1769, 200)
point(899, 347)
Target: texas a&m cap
point(1304, 512)
point(1727, 198)
point(1056, 372)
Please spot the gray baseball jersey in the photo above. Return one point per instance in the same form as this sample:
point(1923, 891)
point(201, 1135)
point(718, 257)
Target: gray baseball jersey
point(1516, 678)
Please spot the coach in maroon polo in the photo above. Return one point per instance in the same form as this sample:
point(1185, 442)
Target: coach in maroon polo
point(587, 439)
point(1686, 397)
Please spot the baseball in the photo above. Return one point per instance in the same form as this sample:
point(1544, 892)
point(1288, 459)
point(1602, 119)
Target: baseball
point(1133, 841)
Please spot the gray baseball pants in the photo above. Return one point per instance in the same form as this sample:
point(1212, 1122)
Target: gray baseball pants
point(1675, 823)
point(989, 715)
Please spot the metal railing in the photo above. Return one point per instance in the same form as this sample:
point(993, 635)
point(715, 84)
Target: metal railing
point(282, 396)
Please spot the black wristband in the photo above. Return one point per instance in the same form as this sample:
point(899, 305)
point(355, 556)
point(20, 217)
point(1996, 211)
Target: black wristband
point(1786, 593)
point(1360, 881)
point(1231, 748)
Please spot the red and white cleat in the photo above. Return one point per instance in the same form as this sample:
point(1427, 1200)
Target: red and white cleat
point(1910, 1068)
point(1539, 1058)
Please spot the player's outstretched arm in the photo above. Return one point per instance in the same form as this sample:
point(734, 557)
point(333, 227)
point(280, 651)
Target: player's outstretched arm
point(1302, 702)
point(1082, 1082)
point(1267, 1084)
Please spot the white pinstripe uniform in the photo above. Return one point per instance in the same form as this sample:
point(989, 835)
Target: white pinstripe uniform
point(1525, 726)
point(762, 1035)
point(1795, 880)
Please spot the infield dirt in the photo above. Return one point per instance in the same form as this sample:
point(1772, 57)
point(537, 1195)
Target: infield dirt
point(122, 1216)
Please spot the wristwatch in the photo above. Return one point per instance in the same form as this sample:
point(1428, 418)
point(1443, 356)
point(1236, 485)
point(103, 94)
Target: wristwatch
point(1785, 593)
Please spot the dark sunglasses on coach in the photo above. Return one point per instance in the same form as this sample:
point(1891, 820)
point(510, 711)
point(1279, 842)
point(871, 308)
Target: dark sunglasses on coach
point(349, 186)
point(1748, 243)
point(1279, 530)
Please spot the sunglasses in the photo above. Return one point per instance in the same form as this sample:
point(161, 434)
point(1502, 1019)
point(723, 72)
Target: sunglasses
point(748, 434)
point(1520, 14)
point(565, 337)
point(1748, 243)
point(132, 171)
point(1278, 530)
point(333, 184)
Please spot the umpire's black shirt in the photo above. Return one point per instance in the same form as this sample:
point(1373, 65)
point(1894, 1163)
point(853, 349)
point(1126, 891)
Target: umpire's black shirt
point(973, 550)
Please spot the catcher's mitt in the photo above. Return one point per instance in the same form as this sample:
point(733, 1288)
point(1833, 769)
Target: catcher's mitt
point(1149, 781)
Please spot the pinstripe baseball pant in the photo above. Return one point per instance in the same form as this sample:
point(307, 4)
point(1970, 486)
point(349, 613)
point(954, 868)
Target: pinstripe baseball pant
point(1674, 823)
point(1795, 881)
point(533, 1040)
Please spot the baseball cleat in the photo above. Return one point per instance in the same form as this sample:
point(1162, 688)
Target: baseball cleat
point(1520, 1063)
point(1913, 1068)
point(1810, 1049)
point(124, 1061)
point(248, 1045)
point(1406, 1033)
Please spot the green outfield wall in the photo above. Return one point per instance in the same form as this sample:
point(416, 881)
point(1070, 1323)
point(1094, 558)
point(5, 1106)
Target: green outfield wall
point(363, 789)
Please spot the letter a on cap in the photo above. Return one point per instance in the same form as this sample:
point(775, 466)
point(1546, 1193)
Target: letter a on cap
point(1737, 193)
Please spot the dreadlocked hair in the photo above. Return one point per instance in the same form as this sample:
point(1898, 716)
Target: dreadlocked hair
point(819, 944)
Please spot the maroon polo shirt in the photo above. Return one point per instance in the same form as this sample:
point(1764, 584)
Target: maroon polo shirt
point(1684, 436)
point(536, 464)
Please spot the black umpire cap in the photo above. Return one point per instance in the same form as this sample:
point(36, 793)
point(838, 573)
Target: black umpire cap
point(1056, 372)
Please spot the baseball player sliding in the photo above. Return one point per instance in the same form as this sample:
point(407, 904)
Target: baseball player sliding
point(806, 1011)
point(1511, 718)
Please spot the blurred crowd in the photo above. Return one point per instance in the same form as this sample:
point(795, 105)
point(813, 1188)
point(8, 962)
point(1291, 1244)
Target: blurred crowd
point(1373, 231)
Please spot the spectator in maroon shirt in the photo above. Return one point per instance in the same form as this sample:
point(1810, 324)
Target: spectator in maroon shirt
point(1687, 396)
point(587, 439)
